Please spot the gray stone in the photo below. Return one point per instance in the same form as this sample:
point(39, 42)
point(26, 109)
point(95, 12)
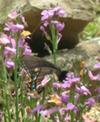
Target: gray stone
point(79, 12)
point(86, 51)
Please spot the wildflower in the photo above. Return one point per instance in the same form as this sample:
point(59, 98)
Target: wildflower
point(94, 77)
point(70, 106)
point(58, 25)
point(59, 11)
point(83, 90)
point(64, 97)
point(57, 85)
point(27, 51)
point(25, 33)
point(55, 99)
point(97, 66)
point(46, 14)
point(9, 51)
point(70, 80)
point(10, 26)
point(9, 63)
point(38, 108)
point(4, 40)
point(90, 102)
point(45, 80)
point(50, 111)
point(97, 90)
point(13, 15)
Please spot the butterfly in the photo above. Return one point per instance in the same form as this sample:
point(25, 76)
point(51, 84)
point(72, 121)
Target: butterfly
point(36, 68)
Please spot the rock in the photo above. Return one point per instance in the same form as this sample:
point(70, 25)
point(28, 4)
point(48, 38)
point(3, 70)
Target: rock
point(79, 12)
point(86, 51)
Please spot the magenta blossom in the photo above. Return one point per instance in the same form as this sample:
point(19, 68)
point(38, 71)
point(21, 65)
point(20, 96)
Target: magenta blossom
point(10, 26)
point(70, 106)
point(38, 108)
point(27, 51)
point(90, 102)
point(83, 90)
point(9, 51)
point(46, 14)
point(13, 15)
point(58, 25)
point(9, 63)
point(50, 111)
point(4, 39)
point(64, 97)
point(59, 11)
point(94, 77)
point(97, 66)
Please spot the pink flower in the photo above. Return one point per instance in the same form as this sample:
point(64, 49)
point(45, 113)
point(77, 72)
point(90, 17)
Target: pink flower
point(38, 108)
point(50, 111)
point(13, 15)
point(59, 11)
point(58, 25)
point(64, 97)
point(9, 51)
point(90, 102)
point(9, 63)
point(97, 66)
point(27, 51)
point(83, 90)
point(10, 26)
point(4, 40)
point(70, 106)
point(94, 77)
point(45, 80)
point(46, 14)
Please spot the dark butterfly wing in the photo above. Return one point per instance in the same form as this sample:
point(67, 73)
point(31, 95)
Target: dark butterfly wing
point(37, 68)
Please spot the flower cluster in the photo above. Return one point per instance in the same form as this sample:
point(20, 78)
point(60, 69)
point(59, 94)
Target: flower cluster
point(49, 18)
point(12, 39)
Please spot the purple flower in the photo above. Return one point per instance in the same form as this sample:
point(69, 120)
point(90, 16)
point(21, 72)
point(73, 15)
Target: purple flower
point(97, 90)
point(50, 111)
point(13, 15)
point(9, 51)
point(27, 51)
point(70, 106)
point(64, 97)
point(83, 90)
point(70, 80)
point(46, 14)
point(90, 102)
point(58, 25)
point(45, 80)
point(66, 84)
point(10, 26)
point(97, 66)
point(57, 85)
point(38, 108)
point(94, 77)
point(59, 11)
point(9, 63)
point(4, 39)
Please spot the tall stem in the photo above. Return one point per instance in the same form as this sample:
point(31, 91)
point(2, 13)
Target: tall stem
point(5, 96)
point(54, 43)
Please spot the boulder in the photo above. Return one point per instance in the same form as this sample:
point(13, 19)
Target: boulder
point(79, 14)
point(85, 51)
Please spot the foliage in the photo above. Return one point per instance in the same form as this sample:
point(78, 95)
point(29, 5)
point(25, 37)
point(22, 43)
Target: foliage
point(92, 29)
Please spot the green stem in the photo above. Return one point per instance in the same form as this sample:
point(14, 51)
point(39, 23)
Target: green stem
point(54, 42)
point(16, 79)
point(6, 106)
